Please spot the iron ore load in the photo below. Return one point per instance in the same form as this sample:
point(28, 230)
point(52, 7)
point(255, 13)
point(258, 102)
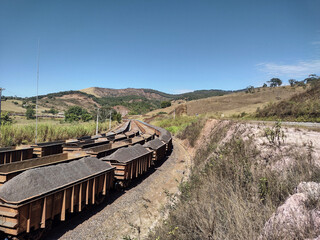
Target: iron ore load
point(42, 183)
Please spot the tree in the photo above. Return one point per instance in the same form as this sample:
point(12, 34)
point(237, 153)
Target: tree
point(76, 113)
point(292, 82)
point(5, 118)
point(30, 113)
point(313, 78)
point(275, 82)
point(165, 104)
point(265, 85)
point(250, 89)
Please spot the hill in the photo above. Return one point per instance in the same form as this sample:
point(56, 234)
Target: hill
point(152, 94)
point(302, 107)
point(232, 104)
point(130, 100)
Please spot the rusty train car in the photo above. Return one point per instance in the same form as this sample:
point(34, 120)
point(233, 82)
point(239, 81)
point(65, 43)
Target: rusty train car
point(36, 191)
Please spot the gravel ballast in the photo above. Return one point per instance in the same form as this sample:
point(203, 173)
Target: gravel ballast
point(42, 180)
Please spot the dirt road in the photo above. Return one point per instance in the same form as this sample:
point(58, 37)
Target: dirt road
point(134, 212)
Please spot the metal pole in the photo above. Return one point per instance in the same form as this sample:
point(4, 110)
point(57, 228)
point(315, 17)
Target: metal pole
point(36, 137)
point(1, 89)
point(97, 126)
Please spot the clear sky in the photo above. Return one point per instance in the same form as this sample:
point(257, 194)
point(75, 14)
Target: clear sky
point(168, 45)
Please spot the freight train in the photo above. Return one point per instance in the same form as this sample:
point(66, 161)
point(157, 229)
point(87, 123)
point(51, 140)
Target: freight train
point(43, 182)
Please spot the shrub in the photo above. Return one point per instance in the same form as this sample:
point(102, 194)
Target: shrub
point(165, 104)
point(30, 113)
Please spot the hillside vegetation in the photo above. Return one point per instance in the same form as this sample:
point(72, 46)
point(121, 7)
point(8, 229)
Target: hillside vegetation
point(301, 107)
point(137, 101)
point(237, 182)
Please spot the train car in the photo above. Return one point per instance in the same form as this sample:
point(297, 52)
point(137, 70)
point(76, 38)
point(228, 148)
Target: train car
point(130, 163)
point(159, 149)
point(137, 140)
point(11, 170)
point(14, 154)
point(163, 134)
point(124, 128)
point(106, 149)
point(81, 145)
point(48, 148)
point(35, 197)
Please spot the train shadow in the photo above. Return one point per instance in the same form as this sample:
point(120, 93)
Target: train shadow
point(73, 220)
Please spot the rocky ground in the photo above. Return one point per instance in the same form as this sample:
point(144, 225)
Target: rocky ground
point(132, 213)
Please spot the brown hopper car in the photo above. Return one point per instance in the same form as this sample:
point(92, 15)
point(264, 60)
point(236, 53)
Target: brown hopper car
point(47, 148)
point(159, 149)
point(10, 155)
point(33, 198)
point(130, 162)
point(11, 170)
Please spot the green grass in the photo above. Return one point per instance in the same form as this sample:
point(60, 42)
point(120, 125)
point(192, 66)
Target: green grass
point(176, 125)
point(16, 134)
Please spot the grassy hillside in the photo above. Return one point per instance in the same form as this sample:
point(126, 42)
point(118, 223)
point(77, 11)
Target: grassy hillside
point(152, 94)
point(304, 106)
point(233, 189)
point(233, 103)
point(137, 101)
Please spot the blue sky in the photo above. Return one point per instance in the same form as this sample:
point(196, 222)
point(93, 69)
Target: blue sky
point(169, 45)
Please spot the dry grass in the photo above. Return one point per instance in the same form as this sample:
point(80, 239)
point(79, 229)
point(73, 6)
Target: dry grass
point(237, 103)
point(230, 194)
point(9, 106)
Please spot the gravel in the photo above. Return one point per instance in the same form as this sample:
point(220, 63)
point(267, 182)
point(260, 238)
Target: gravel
point(38, 181)
point(127, 154)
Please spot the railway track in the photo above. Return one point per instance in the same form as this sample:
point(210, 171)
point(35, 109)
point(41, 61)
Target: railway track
point(59, 178)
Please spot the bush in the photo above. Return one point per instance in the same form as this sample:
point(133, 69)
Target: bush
point(76, 113)
point(30, 113)
point(165, 104)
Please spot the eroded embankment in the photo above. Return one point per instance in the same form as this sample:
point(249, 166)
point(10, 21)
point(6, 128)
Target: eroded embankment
point(246, 183)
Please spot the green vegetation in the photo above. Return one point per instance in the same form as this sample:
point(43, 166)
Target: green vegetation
point(30, 113)
point(52, 111)
point(165, 104)
point(5, 118)
point(175, 125)
point(15, 134)
point(274, 82)
point(76, 113)
point(301, 107)
point(228, 194)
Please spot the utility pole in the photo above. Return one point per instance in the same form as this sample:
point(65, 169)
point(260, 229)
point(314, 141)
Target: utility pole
point(36, 137)
point(110, 120)
point(1, 89)
point(97, 126)
point(174, 114)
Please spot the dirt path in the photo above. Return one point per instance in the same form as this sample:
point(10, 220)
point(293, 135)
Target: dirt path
point(134, 212)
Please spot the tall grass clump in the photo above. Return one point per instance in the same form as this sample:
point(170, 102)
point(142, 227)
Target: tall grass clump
point(15, 134)
point(175, 125)
point(192, 131)
point(229, 194)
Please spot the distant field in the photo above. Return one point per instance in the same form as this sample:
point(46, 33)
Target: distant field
point(9, 106)
point(234, 103)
